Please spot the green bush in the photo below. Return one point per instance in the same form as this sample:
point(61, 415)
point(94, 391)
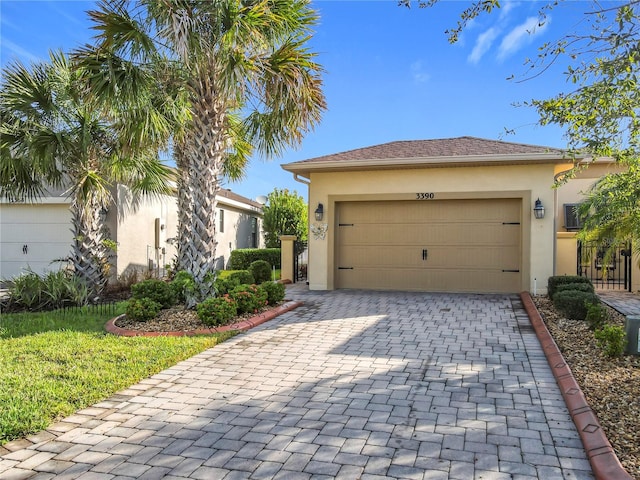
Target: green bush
point(261, 271)
point(249, 298)
point(573, 303)
point(275, 292)
point(229, 279)
point(217, 310)
point(241, 258)
point(157, 290)
point(553, 282)
point(53, 290)
point(581, 287)
point(597, 316)
point(612, 339)
point(182, 285)
point(142, 309)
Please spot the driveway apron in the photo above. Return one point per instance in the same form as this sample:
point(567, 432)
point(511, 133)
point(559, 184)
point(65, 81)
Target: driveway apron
point(354, 385)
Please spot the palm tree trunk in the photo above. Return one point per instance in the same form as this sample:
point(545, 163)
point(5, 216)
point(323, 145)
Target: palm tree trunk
point(199, 184)
point(89, 254)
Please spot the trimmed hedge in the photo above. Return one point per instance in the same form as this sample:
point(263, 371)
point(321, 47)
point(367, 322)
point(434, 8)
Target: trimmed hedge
point(553, 282)
point(574, 304)
point(241, 258)
point(157, 290)
point(229, 279)
point(581, 287)
point(261, 271)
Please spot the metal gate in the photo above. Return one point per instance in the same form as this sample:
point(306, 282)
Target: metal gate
point(612, 273)
point(300, 255)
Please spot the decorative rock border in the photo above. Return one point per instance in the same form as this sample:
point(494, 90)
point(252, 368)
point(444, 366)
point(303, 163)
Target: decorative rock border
point(604, 462)
point(243, 325)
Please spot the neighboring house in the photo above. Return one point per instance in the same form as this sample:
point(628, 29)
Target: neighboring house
point(446, 215)
point(34, 235)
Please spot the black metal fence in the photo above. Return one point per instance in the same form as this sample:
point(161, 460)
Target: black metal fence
point(605, 271)
point(300, 256)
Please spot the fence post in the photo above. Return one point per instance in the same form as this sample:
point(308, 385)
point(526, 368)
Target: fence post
point(286, 257)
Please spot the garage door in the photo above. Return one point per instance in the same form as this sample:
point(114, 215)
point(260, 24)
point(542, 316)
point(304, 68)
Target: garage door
point(31, 236)
point(435, 245)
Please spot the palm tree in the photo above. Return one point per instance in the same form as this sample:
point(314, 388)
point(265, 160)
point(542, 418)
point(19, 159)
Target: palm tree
point(248, 77)
point(55, 136)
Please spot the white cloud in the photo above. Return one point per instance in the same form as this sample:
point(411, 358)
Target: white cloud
point(506, 8)
point(520, 36)
point(20, 53)
point(483, 44)
point(418, 74)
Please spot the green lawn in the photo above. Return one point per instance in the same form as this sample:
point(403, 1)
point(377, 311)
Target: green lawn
point(56, 363)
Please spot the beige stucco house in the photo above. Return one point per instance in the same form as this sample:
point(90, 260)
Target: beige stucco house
point(33, 235)
point(446, 215)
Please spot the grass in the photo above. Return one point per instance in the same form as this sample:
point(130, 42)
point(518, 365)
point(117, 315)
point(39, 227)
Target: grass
point(56, 363)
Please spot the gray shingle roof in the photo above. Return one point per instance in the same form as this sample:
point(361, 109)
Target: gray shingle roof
point(446, 147)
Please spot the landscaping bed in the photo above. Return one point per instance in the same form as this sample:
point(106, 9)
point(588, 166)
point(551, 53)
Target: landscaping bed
point(611, 385)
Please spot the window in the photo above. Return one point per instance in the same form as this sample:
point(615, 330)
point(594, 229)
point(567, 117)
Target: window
point(571, 218)
point(221, 214)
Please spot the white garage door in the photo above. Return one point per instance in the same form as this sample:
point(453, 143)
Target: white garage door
point(32, 236)
point(436, 245)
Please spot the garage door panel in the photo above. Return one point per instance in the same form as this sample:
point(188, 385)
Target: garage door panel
point(54, 232)
point(424, 235)
point(469, 245)
point(436, 257)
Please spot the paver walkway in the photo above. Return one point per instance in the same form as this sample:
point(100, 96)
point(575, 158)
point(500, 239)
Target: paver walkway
point(625, 302)
point(351, 385)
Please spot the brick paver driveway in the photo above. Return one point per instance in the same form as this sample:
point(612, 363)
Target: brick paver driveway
point(355, 385)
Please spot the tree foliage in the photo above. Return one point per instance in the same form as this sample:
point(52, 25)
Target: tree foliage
point(54, 135)
point(243, 72)
point(284, 214)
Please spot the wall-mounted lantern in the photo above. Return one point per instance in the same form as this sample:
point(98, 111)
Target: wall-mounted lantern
point(538, 209)
point(319, 212)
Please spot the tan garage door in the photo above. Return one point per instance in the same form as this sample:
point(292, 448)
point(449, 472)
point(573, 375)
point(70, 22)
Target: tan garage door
point(434, 245)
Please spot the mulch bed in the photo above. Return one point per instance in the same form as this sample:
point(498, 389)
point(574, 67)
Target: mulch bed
point(611, 385)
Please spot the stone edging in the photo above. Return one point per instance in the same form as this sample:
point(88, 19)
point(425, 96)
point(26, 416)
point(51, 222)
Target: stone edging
point(604, 462)
point(259, 319)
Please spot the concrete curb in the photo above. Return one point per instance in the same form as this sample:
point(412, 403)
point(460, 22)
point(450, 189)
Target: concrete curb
point(604, 462)
point(259, 319)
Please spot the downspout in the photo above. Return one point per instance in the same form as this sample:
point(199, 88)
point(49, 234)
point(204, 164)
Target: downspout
point(297, 178)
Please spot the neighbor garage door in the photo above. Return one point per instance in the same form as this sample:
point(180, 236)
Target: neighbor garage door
point(32, 236)
point(434, 245)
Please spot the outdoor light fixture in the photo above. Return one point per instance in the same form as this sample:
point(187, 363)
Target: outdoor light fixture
point(538, 209)
point(319, 212)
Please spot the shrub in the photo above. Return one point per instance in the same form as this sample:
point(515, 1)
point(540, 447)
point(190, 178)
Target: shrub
point(261, 271)
point(27, 291)
point(612, 339)
point(142, 309)
point(553, 282)
point(597, 316)
point(182, 285)
point(217, 310)
point(52, 290)
point(275, 292)
point(581, 287)
point(241, 258)
point(157, 290)
point(249, 298)
point(229, 279)
point(573, 303)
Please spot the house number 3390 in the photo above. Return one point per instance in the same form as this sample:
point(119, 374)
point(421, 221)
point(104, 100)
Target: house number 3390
point(425, 196)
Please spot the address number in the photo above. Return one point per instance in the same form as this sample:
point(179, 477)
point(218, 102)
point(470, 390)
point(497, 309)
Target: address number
point(425, 196)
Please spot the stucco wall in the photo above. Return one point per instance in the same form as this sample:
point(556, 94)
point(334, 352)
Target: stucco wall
point(238, 231)
point(527, 182)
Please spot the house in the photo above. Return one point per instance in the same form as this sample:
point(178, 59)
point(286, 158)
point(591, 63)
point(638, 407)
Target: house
point(35, 235)
point(444, 215)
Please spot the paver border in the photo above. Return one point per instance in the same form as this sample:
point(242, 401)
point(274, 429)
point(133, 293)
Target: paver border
point(243, 325)
point(604, 462)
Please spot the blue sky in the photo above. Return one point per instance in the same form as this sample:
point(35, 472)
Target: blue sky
point(390, 72)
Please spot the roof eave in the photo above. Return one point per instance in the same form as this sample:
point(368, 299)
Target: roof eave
point(305, 168)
